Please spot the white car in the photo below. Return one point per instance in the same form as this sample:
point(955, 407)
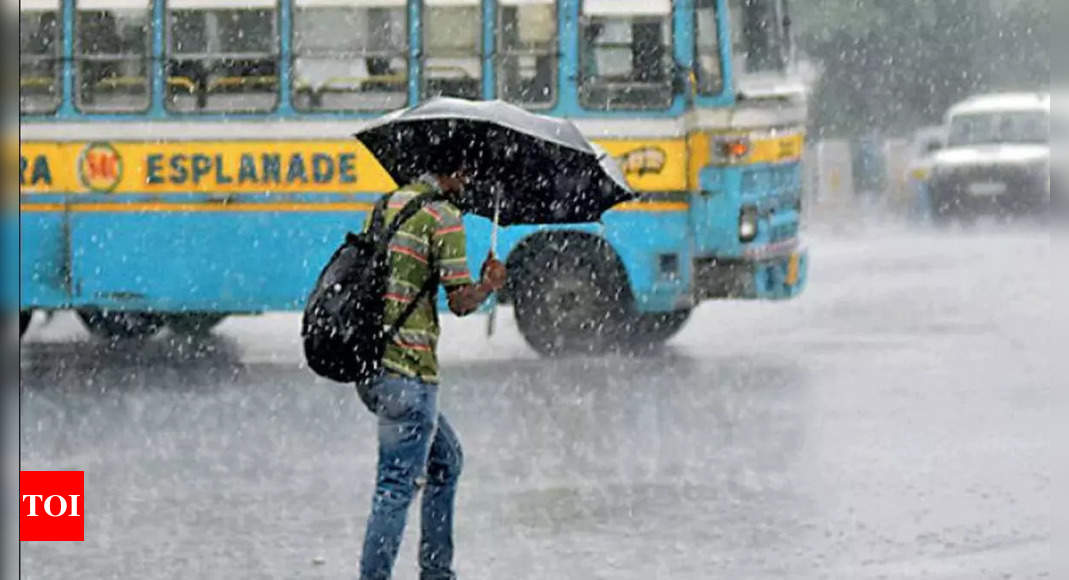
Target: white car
point(1059, 166)
point(996, 159)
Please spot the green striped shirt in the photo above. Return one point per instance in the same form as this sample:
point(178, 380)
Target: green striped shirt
point(433, 238)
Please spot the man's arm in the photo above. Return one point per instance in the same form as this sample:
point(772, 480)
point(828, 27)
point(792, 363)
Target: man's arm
point(449, 244)
point(463, 300)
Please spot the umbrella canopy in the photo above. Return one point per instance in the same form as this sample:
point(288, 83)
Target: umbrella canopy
point(530, 168)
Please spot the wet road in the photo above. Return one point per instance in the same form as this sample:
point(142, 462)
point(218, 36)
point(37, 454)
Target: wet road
point(892, 423)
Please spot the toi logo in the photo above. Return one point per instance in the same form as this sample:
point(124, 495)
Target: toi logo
point(51, 506)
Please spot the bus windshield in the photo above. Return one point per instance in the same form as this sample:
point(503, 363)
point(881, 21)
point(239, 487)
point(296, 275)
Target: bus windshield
point(758, 37)
point(1004, 127)
point(707, 48)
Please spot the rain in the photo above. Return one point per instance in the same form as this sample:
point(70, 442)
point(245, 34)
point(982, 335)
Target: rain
point(777, 299)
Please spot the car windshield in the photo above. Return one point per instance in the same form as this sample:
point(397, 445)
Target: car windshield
point(1007, 127)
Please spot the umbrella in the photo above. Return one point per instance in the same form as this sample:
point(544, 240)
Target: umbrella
point(525, 168)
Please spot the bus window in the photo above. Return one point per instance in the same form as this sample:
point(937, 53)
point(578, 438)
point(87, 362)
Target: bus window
point(707, 48)
point(625, 54)
point(111, 51)
point(452, 48)
point(527, 59)
point(350, 55)
point(222, 56)
point(39, 86)
point(756, 37)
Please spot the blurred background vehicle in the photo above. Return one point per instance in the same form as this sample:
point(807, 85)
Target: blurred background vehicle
point(996, 159)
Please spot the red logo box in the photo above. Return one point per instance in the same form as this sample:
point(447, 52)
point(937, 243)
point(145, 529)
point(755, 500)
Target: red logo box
point(51, 506)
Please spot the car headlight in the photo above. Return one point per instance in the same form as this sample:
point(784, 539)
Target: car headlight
point(748, 224)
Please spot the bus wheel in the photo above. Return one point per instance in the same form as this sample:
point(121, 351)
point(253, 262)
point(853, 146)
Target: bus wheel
point(24, 321)
point(197, 324)
point(570, 296)
point(652, 329)
point(121, 325)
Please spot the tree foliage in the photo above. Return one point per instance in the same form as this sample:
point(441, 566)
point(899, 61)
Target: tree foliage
point(891, 66)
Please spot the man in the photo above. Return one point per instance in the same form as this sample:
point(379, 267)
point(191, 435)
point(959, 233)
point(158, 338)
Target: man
point(417, 446)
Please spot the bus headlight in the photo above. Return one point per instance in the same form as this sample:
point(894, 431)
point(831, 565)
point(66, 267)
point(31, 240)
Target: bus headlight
point(748, 224)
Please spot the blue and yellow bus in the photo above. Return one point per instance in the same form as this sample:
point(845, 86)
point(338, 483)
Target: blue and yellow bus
point(183, 160)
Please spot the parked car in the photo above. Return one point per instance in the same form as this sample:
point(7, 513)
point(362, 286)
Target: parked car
point(996, 159)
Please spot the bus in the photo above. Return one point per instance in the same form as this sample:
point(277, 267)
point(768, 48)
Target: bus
point(185, 160)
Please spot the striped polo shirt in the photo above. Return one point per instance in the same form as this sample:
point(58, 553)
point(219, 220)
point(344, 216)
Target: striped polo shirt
point(433, 238)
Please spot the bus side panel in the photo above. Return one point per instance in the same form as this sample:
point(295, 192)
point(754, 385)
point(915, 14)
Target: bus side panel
point(44, 259)
point(654, 248)
point(222, 261)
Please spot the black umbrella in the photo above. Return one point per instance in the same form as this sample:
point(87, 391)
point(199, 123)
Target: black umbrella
point(526, 168)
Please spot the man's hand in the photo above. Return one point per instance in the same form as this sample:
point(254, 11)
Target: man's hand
point(466, 299)
point(493, 274)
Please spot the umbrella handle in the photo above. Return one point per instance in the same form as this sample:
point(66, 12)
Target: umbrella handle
point(492, 317)
point(495, 226)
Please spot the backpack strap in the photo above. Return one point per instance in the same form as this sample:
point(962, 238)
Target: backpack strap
point(407, 212)
point(378, 215)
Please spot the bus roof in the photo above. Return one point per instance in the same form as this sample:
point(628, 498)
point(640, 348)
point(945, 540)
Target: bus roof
point(1002, 102)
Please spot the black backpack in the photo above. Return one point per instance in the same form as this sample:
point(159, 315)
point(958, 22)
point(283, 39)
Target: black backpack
point(342, 327)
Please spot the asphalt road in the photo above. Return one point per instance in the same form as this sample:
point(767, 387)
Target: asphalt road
point(892, 423)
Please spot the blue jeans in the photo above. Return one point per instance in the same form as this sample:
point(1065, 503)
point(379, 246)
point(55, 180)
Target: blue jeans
point(416, 447)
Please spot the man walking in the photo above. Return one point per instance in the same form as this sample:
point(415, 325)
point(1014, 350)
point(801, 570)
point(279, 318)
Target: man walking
point(417, 446)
